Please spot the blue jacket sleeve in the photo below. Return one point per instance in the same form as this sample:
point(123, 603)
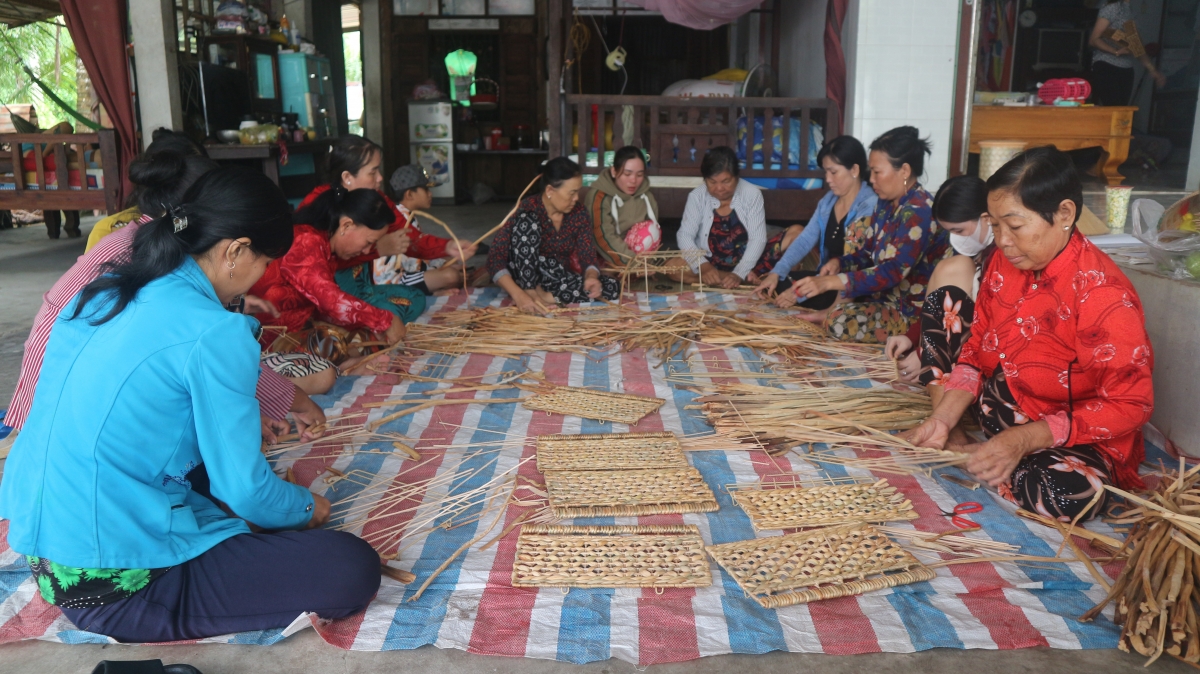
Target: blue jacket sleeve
point(221, 375)
point(800, 246)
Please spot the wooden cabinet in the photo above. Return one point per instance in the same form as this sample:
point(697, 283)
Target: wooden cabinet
point(257, 57)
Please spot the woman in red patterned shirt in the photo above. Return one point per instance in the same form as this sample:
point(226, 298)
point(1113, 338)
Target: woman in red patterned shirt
point(338, 225)
point(1058, 367)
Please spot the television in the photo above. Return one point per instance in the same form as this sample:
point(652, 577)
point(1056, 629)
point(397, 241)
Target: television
point(1060, 48)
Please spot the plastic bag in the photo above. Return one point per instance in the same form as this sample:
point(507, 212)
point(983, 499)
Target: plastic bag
point(1171, 235)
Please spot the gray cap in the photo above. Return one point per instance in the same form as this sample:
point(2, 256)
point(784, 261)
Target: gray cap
point(409, 177)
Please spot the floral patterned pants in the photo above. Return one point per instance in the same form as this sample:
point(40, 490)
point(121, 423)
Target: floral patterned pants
point(866, 322)
point(530, 269)
point(1058, 482)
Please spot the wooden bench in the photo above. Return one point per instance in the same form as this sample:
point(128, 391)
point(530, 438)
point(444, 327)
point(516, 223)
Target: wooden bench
point(50, 190)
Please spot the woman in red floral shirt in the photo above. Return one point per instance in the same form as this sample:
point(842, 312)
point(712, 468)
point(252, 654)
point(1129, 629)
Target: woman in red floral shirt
point(1058, 366)
point(338, 225)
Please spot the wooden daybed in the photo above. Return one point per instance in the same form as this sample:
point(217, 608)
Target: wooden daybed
point(662, 124)
point(59, 160)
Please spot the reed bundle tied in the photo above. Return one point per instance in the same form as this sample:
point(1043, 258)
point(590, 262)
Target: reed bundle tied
point(1156, 593)
point(509, 333)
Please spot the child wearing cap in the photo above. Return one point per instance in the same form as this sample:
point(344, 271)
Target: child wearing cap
point(411, 186)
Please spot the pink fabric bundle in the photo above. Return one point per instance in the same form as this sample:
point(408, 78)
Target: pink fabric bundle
point(699, 14)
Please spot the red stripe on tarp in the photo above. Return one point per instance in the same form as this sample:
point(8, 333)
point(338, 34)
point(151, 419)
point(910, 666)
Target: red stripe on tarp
point(4, 536)
point(340, 633)
point(504, 615)
point(1007, 624)
point(31, 622)
point(842, 627)
point(666, 621)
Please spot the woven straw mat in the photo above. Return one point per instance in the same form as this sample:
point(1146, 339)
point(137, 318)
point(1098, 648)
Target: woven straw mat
point(611, 556)
point(627, 493)
point(818, 564)
point(609, 451)
point(793, 508)
point(588, 404)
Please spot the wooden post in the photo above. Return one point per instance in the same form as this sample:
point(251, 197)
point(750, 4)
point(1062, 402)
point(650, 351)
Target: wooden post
point(556, 32)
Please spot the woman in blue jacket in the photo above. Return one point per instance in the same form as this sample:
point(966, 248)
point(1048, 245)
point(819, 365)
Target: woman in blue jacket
point(850, 199)
point(147, 375)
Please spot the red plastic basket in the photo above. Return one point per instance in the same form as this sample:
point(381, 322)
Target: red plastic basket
point(1065, 89)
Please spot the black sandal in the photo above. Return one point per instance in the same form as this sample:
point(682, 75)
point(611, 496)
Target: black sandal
point(142, 667)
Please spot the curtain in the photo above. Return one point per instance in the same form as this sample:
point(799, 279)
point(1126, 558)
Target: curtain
point(699, 14)
point(835, 56)
point(98, 29)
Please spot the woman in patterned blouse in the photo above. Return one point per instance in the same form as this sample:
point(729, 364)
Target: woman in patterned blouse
point(1058, 366)
point(882, 285)
point(546, 254)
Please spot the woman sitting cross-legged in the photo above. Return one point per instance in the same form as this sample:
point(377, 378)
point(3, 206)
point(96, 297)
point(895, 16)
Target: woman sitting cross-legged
point(147, 374)
point(724, 227)
point(960, 208)
point(850, 201)
point(545, 254)
point(882, 285)
point(1058, 366)
point(623, 209)
point(337, 225)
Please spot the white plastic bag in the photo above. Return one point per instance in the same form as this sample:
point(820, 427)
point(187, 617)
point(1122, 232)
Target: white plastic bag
point(1175, 250)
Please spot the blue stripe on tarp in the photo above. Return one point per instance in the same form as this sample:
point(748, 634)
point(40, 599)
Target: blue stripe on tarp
point(81, 637)
point(584, 624)
point(11, 577)
point(752, 629)
point(1063, 600)
point(927, 626)
point(417, 623)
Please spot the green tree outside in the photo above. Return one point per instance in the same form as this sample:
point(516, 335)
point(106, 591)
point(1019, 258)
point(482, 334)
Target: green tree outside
point(46, 48)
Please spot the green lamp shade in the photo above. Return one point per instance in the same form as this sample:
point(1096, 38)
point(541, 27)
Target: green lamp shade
point(460, 63)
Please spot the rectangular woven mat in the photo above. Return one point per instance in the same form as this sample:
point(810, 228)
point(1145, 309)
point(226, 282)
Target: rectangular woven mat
point(824, 505)
point(622, 408)
point(611, 556)
point(628, 493)
point(818, 564)
point(609, 451)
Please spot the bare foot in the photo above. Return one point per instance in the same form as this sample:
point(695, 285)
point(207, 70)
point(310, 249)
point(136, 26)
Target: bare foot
point(957, 439)
point(817, 317)
point(545, 297)
point(361, 365)
point(447, 291)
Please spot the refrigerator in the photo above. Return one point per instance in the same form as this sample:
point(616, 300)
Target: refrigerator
point(431, 139)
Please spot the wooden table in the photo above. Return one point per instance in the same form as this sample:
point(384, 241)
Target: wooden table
point(306, 170)
point(1067, 128)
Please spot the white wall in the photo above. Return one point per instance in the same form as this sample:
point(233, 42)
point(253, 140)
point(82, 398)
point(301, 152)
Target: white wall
point(802, 49)
point(152, 26)
point(902, 72)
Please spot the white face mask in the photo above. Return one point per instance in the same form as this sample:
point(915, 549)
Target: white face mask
point(972, 245)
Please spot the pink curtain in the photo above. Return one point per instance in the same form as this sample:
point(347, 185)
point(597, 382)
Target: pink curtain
point(835, 56)
point(699, 14)
point(98, 29)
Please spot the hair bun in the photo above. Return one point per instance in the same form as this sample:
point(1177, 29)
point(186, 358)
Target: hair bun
point(158, 171)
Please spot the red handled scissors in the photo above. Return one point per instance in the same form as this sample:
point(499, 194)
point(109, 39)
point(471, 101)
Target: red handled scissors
point(964, 509)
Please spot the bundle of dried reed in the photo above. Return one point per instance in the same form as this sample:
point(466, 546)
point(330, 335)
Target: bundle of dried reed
point(794, 413)
point(1156, 594)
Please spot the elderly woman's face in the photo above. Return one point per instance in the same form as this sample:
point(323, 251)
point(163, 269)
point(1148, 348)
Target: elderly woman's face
point(1023, 236)
point(890, 183)
point(721, 186)
point(564, 197)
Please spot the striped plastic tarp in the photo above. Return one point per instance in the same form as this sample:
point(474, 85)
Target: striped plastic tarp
point(473, 606)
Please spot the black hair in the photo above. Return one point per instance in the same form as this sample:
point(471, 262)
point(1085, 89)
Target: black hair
point(557, 171)
point(364, 207)
point(848, 152)
point(166, 140)
point(904, 145)
point(625, 154)
point(162, 178)
point(349, 153)
point(718, 160)
point(228, 203)
point(960, 199)
point(1042, 178)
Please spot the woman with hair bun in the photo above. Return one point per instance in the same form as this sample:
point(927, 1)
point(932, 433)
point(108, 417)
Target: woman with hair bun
point(1057, 369)
point(336, 225)
point(148, 375)
point(546, 254)
point(882, 285)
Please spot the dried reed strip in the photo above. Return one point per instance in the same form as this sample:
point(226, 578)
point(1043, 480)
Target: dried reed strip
point(435, 403)
point(457, 243)
point(510, 213)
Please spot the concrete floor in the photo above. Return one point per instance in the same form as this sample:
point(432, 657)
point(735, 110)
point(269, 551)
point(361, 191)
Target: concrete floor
point(29, 265)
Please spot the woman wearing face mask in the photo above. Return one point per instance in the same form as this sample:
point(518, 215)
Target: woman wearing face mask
point(147, 375)
point(545, 255)
point(620, 202)
point(849, 200)
point(1058, 367)
point(882, 285)
point(337, 225)
point(960, 208)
